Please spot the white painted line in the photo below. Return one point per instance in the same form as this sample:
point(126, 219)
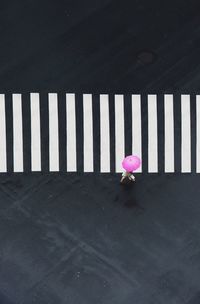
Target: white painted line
point(152, 134)
point(185, 134)
point(88, 133)
point(198, 133)
point(35, 132)
point(71, 133)
point(136, 128)
point(3, 155)
point(53, 133)
point(104, 134)
point(119, 132)
point(18, 162)
point(169, 133)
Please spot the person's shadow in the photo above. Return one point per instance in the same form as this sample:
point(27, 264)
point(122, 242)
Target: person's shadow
point(127, 196)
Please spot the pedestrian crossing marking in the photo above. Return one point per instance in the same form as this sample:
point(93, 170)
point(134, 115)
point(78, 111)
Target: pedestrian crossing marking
point(35, 133)
point(104, 134)
point(152, 134)
point(88, 133)
point(53, 133)
point(119, 132)
point(185, 134)
point(136, 128)
point(17, 134)
point(95, 132)
point(3, 154)
point(71, 133)
point(169, 133)
point(198, 133)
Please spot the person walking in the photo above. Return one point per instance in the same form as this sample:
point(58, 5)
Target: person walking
point(130, 163)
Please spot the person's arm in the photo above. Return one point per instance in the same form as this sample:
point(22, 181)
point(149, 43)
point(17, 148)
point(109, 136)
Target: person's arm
point(124, 175)
point(132, 177)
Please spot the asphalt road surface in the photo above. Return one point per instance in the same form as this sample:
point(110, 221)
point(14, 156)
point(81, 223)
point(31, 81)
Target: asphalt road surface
point(80, 237)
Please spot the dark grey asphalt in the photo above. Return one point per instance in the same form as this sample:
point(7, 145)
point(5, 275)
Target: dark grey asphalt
point(86, 239)
point(83, 238)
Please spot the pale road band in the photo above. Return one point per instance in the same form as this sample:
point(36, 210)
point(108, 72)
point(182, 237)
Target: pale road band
point(186, 116)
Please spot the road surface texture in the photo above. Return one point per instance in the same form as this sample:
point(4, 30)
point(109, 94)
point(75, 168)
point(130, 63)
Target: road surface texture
point(80, 237)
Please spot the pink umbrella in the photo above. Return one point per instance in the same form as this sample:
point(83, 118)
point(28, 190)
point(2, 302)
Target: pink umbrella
point(131, 163)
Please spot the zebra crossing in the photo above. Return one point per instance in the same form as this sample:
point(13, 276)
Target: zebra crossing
point(92, 133)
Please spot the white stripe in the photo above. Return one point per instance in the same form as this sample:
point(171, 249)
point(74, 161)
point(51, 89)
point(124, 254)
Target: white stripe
point(169, 133)
point(198, 133)
point(3, 157)
point(88, 133)
point(136, 128)
point(71, 133)
point(119, 132)
point(105, 134)
point(35, 133)
point(53, 133)
point(185, 134)
point(17, 133)
point(152, 134)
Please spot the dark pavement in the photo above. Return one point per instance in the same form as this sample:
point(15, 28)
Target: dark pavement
point(86, 239)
